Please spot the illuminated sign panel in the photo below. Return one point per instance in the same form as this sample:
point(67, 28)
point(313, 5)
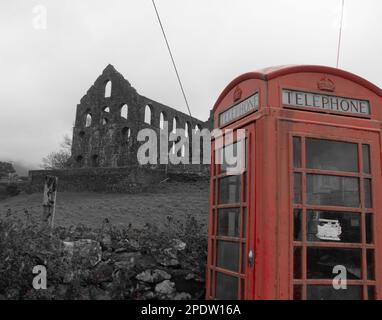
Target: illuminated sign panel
point(240, 109)
point(323, 102)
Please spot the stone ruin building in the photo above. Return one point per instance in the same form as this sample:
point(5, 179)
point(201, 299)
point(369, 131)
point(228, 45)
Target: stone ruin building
point(105, 145)
point(109, 117)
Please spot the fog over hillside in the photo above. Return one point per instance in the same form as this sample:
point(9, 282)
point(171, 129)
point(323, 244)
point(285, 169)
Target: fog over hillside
point(20, 167)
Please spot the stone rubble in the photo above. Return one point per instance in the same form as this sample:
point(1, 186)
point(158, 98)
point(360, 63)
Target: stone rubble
point(127, 271)
point(166, 288)
point(153, 276)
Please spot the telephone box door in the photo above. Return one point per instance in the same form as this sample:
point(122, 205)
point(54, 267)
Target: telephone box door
point(334, 174)
point(230, 272)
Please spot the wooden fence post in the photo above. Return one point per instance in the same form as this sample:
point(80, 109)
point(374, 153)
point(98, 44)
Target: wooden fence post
point(49, 200)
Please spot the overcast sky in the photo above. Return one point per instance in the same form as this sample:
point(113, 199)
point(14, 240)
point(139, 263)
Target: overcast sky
point(45, 72)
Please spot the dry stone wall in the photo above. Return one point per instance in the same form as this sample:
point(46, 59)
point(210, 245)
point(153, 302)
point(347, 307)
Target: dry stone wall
point(131, 179)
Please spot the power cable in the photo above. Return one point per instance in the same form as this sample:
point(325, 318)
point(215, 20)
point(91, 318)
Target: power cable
point(340, 33)
point(173, 60)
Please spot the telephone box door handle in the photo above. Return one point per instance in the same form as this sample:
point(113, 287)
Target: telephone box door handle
point(250, 258)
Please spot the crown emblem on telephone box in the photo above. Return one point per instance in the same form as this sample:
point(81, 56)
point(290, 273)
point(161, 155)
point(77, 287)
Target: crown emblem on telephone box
point(326, 84)
point(237, 94)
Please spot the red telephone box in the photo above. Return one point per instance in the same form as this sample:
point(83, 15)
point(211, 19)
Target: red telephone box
point(302, 219)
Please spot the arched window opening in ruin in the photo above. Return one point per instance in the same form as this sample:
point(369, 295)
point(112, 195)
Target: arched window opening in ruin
point(162, 119)
point(186, 126)
point(173, 148)
point(126, 132)
point(82, 134)
point(148, 114)
point(174, 124)
point(183, 150)
point(79, 160)
point(197, 127)
point(124, 111)
point(106, 109)
point(105, 121)
point(88, 120)
point(95, 160)
point(108, 89)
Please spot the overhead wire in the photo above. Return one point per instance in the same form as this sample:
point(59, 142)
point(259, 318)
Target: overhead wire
point(340, 33)
point(172, 60)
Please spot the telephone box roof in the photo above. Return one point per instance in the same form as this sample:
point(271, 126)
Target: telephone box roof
point(278, 71)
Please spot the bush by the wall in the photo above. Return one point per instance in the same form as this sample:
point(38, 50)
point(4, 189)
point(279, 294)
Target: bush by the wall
point(12, 190)
point(180, 252)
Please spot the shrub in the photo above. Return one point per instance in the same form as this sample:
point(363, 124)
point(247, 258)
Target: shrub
point(24, 243)
point(12, 190)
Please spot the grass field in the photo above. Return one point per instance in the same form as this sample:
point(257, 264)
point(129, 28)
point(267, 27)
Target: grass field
point(174, 199)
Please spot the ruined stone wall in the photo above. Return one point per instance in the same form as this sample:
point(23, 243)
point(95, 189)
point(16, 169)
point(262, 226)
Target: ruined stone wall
point(131, 179)
point(104, 137)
